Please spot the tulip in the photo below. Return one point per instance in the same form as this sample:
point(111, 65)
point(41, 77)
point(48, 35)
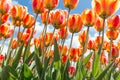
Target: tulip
point(91, 45)
point(82, 38)
point(114, 22)
point(63, 34)
point(28, 21)
point(43, 17)
point(63, 50)
point(89, 64)
point(1, 59)
point(51, 4)
point(115, 52)
point(48, 39)
point(112, 34)
point(14, 44)
point(5, 18)
point(105, 8)
point(37, 42)
point(71, 70)
point(75, 23)
point(71, 4)
point(5, 5)
point(64, 58)
point(98, 24)
point(103, 58)
point(58, 18)
point(88, 17)
point(38, 6)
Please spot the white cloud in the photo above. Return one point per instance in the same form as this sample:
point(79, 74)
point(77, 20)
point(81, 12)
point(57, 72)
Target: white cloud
point(14, 2)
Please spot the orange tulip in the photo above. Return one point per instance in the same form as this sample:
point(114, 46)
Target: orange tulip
point(28, 21)
point(18, 12)
point(75, 23)
point(38, 6)
point(112, 34)
point(103, 58)
point(43, 17)
point(82, 37)
point(115, 52)
point(63, 50)
point(98, 41)
point(117, 61)
point(37, 42)
point(58, 18)
point(5, 6)
point(62, 32)
point(71, 4)
point(14, 44)
point(89, 64)
point(114, 22)
point(107, 46)
point(105, 8)
point(25, 38)
point(48, 39)
point(98, 24)
point(119, 44)
point(51, 4)
point(88, 17)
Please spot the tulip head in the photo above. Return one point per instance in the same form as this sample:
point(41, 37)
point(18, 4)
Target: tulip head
point(75, 23)
point(71, 4)
point(114, 22)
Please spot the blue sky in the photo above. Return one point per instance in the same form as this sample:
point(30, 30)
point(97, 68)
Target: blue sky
point(78, 10)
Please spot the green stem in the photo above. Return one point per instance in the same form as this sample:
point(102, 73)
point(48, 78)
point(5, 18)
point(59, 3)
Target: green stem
point(66, 28)
point(2, 46)
point(68, 55)
point(110, 57)
point(9, 48)
point(31, 36)
point(80, 61)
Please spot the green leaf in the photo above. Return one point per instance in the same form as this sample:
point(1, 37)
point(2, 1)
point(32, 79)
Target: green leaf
point(87, 59)
point(29, 58)
point(101, 76)
point(17, 57)
point(57, 65)
point(27, 72)
point(56, 52)
point(79, 75)
point(5, 73)
point(37, 63)
point(117, 75)
point(96, 65)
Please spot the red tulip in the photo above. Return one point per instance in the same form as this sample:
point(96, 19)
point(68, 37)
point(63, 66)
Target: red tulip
point(71, 70)
point(38, 6)
point(75, 23)
point(114, 22)
point(62, 32)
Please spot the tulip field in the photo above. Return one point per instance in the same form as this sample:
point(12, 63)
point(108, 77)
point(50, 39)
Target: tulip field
point(47, 56)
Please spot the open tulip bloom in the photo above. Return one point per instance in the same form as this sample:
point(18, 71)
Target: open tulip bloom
point(47, 43)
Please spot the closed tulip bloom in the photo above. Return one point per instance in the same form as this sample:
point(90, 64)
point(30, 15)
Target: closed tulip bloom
point(1, 59)
point(91, 45)
point(5, 5)
point(63, 50)
point(48, 39)
point(114, 22)
point(89, 64)
point(14, 44)
point(71, 4)
point(88, 17)
point(5, 18)
point(105, 8)
point(28, 21)
point(58, 18)
point(82, 37)
point(43, 17)
point(112, 34)
point(98, 24)
point(75, 23)
point(115, 52)
point(38, 6)
point(37, 42)
point(103, 58)
point(51, 4)
point(62, 32)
